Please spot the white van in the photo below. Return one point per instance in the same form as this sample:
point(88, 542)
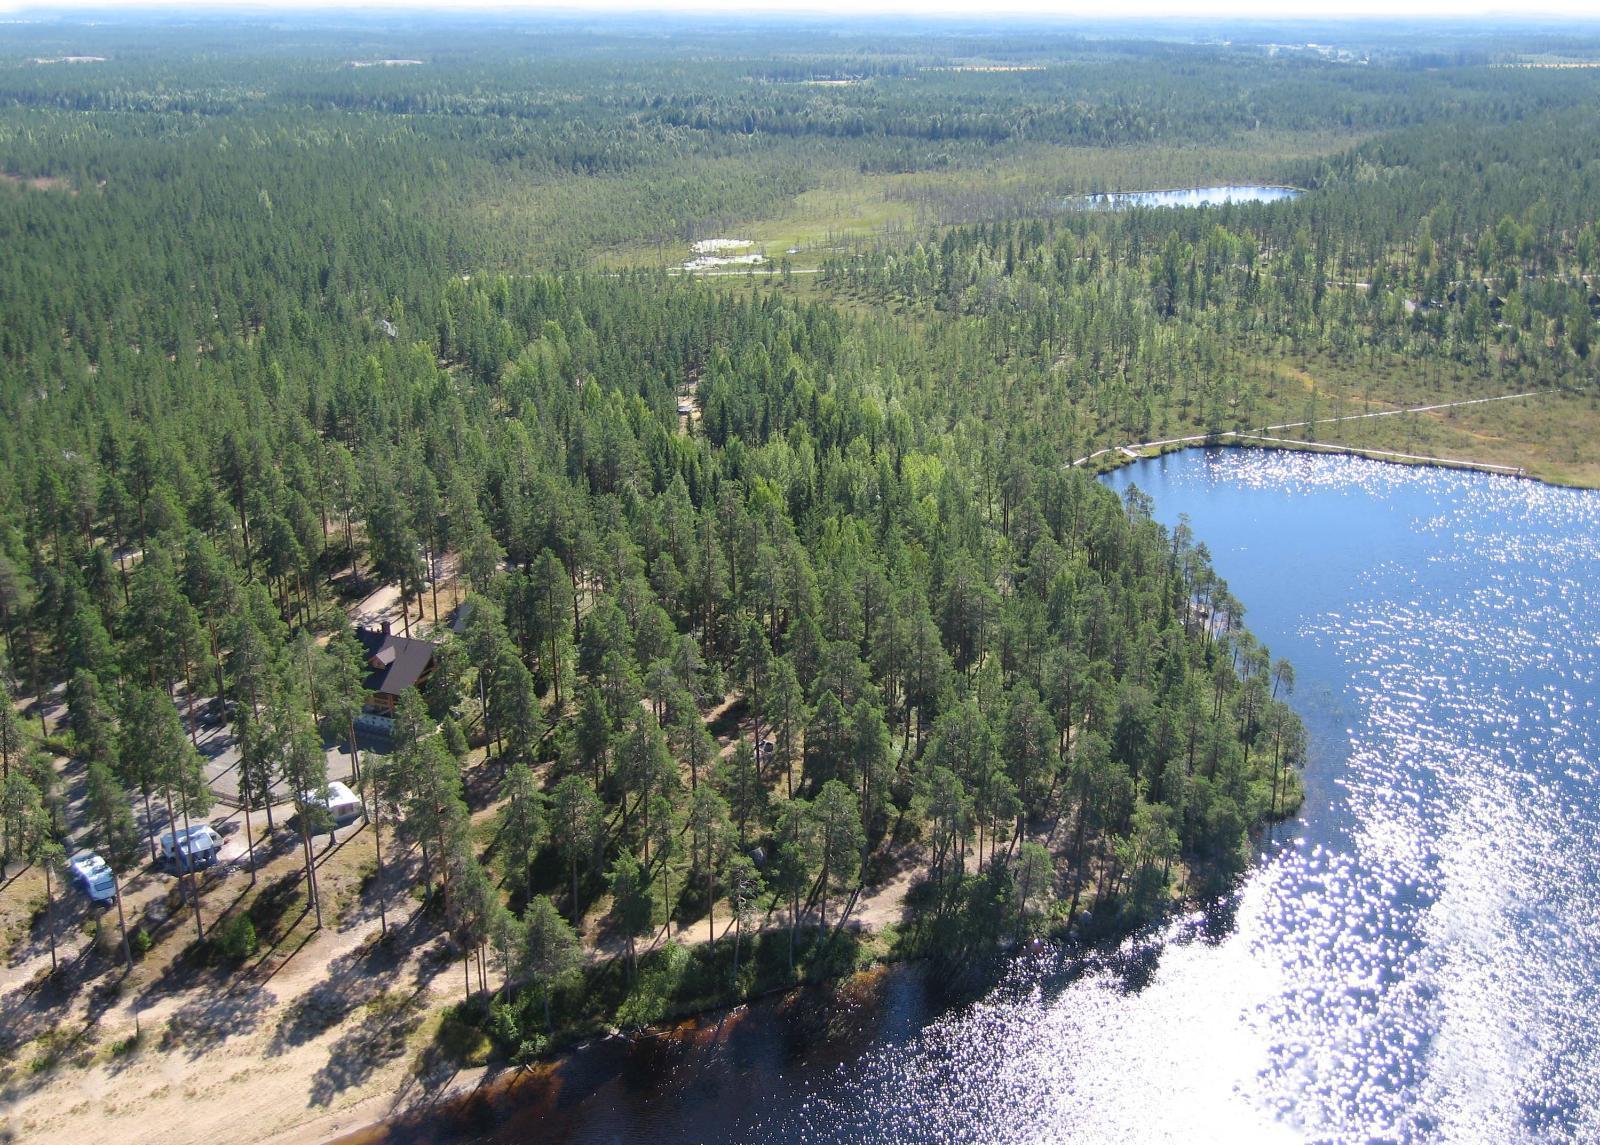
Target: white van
point(190, 848)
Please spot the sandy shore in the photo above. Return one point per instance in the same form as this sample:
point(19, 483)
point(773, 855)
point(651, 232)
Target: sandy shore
point(325, 1044)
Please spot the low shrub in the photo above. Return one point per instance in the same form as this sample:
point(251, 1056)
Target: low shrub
point(505, 1024)
point(530, 1050)
point(462, 1043)
point(236, 938)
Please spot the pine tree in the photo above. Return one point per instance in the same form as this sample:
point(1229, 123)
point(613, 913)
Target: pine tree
point(633, 904)
point(304, 769)
point(470, 904)
point(19, 804)
point(796, 860)
point(744, 888)
point(577, 822)
point(93, 729)
point(176, 770)
point(709, 826)
point(11, 735)
point(44, 850)
point(114, 836)
point(1034, 874)
point(522, 826)
point(550, 949)
point(787, 716)
point(514, 711)
point(434, 815)
point(837, 813)
point(341, 686)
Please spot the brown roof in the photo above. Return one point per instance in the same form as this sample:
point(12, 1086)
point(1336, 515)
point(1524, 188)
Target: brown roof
point(397, 662)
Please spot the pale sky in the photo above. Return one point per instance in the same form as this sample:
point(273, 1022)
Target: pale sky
point(1580, 11)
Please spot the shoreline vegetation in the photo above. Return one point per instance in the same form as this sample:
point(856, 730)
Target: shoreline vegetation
point(1114, 457)
point(686, 989)
point(498, 1083)
point(777, 632)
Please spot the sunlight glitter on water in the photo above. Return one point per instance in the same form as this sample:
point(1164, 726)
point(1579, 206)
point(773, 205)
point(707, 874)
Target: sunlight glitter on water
point(1422, 964)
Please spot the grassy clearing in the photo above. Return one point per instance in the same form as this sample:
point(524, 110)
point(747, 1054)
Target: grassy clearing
point(1550, 436)
point(847, 208)
point(19, 904)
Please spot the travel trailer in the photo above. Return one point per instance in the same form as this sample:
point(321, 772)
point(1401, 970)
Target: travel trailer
point(190, 848)
point(342, 804)
point(93, 876)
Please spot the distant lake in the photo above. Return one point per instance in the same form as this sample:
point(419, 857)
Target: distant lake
point(1416, 959)
point(1185, 197)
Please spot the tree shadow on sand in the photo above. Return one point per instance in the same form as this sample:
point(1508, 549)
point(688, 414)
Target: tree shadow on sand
point(379, 1038)
point(39, 1005)
point(211, 1017)
point(45, 1000)
point(68, 917)
point(352, 981)
point(42, 1027)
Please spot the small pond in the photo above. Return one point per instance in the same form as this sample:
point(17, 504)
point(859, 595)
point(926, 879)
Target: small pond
point(1185, 197)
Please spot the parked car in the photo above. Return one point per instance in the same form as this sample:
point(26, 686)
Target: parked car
point(370, 725)
point(93, 876)
point(215, 714)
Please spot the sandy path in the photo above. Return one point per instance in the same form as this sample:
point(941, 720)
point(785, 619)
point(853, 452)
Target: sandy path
point(238, 1092)
point(885, 905)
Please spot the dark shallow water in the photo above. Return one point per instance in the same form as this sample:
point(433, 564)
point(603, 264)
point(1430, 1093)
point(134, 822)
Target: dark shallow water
point(1415, 959)
point(1187, 197)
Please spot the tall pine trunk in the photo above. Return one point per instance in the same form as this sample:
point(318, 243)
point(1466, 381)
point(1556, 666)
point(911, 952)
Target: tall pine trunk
point(249, 837)
point(311, 864)
point(577, 916)
point(50, 914)
point(185, 861)
point(377, 851)
point(122, 919)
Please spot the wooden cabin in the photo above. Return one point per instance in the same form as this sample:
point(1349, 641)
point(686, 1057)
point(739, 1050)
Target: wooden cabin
point(396, 663)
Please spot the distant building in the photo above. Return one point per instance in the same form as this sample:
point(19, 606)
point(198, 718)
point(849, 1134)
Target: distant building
point(396, 663)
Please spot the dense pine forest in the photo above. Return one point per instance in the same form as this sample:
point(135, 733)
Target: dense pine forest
point(777, 629)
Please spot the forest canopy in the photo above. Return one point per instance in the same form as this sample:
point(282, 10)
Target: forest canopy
point(780, 582)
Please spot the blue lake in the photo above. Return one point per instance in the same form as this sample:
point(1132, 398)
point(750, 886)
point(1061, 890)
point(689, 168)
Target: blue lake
point(1416, 959)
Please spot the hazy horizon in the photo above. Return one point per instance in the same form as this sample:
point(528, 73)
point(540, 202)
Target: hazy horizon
point(1465, 12)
